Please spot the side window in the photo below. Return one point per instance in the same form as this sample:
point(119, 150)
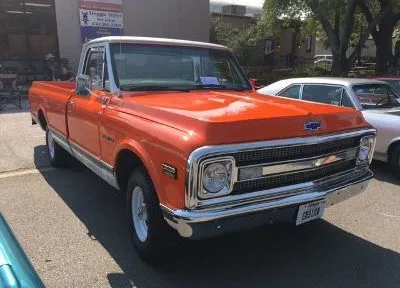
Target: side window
point(346, 101)
point(94, 67)
point(291, 92)
point(322, 94)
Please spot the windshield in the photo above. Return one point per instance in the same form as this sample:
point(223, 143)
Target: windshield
point(150, 67)
point(373, 96)
point(395, 84)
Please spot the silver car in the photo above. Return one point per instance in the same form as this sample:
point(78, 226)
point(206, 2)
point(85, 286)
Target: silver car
point(377, 100)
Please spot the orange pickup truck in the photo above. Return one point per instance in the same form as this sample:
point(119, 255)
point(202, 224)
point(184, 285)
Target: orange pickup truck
point(177, 126)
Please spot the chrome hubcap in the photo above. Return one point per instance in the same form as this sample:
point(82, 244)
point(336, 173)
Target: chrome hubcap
point(50, 144)
point(139, 214)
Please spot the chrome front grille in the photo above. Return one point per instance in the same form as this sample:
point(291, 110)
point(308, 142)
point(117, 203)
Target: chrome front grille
point(286, 179)
point(262, 170)
point(275, 154)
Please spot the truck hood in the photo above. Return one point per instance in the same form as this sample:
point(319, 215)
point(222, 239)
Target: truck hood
point(220, 117)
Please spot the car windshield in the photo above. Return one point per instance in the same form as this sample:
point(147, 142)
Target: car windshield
point(395, 84)
point(373, 96)
point(149, 67)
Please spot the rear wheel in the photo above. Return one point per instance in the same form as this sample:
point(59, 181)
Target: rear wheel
point(150, 234)
point(58, 157)
point(395, 159)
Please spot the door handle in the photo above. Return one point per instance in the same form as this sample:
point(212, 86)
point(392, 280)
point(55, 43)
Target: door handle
point(104, 100)
point(71, 104)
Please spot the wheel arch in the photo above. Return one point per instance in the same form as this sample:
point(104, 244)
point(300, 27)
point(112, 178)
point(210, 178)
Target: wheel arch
point(41, 115)
point(391, 147)
point(130, 155)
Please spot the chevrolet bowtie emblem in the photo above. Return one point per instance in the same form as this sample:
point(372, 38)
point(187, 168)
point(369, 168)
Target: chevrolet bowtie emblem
point(312, 125)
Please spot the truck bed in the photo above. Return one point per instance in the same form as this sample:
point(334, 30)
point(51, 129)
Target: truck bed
point(49, 100)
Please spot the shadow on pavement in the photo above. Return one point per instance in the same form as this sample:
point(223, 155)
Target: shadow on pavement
point(383, 173)
point(317, 254)
point(41, 159)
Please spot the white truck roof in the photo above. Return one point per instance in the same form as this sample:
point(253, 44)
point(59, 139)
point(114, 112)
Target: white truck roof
point(156, 41)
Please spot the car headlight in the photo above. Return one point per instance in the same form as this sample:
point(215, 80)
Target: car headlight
point(216, 178)
point(367, 145)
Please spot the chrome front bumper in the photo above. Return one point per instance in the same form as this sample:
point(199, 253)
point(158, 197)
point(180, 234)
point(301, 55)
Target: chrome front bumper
point(199, 223)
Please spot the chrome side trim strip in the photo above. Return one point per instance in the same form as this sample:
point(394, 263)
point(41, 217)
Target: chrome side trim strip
point(96, 165)
point(306, 164)
point(61, 140)
point(103, 170)
point(96, 160)
point(198, 155)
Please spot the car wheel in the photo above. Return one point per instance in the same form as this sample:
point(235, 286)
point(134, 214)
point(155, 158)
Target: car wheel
point(58, 157)
point(395, 160)
point(150, 234)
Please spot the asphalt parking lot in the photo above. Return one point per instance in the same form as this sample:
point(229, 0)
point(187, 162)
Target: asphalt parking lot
point(71, 225)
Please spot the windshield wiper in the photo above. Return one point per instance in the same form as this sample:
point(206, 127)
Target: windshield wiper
point(216, 86)
point(155, 88)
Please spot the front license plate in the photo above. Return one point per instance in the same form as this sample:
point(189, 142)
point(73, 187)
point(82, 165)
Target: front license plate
point(310, 212)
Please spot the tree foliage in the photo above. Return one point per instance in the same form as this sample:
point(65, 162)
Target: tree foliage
point(383, 31)
point(245, 41)
point(339, 21)
point(344, 25)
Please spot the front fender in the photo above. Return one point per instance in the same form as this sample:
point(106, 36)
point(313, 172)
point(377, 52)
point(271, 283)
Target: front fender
point(139, 151)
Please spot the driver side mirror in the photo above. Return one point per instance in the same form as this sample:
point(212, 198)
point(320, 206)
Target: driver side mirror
point(83, 85)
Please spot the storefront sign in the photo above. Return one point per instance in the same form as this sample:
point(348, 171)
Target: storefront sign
point(100, 18)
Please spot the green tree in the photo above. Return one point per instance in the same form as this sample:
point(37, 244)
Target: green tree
point(338, 19)
point(383, 28)
point(244, 42)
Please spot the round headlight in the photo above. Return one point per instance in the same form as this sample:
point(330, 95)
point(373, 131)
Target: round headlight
point(363, 154)
point(215, 177)
point(366, 146)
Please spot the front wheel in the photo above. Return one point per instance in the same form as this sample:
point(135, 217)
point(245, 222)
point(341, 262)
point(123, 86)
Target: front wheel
point(58, 157)
point(150, 233)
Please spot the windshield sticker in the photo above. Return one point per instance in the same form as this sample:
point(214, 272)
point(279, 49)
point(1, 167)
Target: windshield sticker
point(209, 81)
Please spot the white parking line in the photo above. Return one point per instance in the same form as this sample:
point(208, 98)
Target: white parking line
point(390, 216)
point(9, 174)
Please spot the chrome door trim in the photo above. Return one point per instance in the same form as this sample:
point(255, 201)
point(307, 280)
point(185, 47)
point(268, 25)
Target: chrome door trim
point(320, 84)
point(354, 97)
point(96, 165)
point(287, 88)
point(98, 161)
point(61, 140)
point(99, 167)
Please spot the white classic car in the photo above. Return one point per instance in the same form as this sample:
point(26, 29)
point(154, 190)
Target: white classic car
point(377, 100)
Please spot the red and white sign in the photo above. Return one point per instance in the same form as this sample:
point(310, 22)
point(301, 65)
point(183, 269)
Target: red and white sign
point(100, 18)
point(102, 5)
point(94, 18)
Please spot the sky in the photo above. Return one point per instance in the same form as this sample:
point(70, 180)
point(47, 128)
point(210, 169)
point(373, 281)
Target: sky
point(257, 3)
